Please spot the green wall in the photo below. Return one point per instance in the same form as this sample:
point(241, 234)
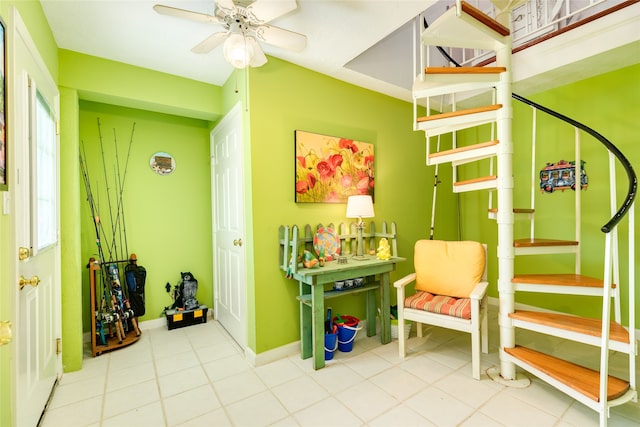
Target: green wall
point(120, 93)
point(167, 218)
point(109, 82)
point(607, 103)
point(285, 97)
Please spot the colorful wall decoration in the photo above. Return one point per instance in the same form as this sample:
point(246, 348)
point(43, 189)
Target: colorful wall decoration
point(329, 169)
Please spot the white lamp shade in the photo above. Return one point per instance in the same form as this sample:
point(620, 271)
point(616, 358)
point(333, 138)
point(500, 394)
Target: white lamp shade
point(360, 207)
point(237, 51)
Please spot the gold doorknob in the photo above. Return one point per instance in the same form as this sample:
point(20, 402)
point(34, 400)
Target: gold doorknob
point(23, 253)
point(32, 282)
point(237, 242)
point(5, 332)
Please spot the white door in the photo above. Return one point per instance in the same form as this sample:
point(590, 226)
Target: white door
point(228, 225)
point(34, 188)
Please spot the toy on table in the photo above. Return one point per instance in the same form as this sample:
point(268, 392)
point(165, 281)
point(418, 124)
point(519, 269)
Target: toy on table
point(384, 250)
point(309, 260)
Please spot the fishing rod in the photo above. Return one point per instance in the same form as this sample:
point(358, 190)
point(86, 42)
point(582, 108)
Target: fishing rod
point(121, 178)
point(96, 220)
point(106, 180)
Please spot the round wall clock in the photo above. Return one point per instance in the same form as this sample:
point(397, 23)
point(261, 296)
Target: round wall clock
point(162, 163)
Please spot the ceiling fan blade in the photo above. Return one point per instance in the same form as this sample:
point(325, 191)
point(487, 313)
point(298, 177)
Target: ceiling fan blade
point(210, 43)
point(186, 14)
point(281, 38)
point(227, 6)
point(263, 11)
point(258, 59)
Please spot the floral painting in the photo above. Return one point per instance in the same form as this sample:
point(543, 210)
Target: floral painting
point(329, 169)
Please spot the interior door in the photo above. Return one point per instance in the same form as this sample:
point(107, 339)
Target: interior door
point(228, 225)
point(35, 188)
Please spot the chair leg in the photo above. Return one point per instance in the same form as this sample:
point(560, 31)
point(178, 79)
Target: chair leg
point(475, 352)
point(484, 333)
point(401, 341)
point(419, 331)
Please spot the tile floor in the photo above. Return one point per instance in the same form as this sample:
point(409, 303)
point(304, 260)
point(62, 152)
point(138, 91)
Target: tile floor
point(197, 376)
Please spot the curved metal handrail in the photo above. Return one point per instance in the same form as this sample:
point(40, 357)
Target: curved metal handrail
point(633, 179)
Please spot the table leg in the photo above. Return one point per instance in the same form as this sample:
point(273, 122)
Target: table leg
point(306, 350)
point(385, 303)
point(371, 312)
point(317, 327)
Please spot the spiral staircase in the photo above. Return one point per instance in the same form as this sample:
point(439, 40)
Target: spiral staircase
point(464, 26)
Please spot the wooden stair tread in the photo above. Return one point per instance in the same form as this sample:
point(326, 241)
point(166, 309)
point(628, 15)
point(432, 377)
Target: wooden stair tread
point(584, 380)
point(476, 180)
point(560, 280)
point(521, 243)
point(465, 70)
point(463, 149)
point(515, 210)
point(485, 19)
point(459, 113)
point(583, 325)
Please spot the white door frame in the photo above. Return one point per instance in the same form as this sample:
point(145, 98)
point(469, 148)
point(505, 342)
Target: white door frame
point(17, 33)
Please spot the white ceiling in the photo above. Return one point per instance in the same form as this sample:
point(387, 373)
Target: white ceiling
point(368, 43)
point(337, 31)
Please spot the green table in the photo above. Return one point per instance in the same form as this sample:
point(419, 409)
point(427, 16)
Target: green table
point(312, 295)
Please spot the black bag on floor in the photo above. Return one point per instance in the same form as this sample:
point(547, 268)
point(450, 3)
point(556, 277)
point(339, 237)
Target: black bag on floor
point(136, 276)
point(184, 293)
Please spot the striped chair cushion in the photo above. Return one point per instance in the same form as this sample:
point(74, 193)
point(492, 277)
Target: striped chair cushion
point(440, 304)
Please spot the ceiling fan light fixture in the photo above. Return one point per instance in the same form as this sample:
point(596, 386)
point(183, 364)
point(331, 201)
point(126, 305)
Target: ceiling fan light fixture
point(237, 51)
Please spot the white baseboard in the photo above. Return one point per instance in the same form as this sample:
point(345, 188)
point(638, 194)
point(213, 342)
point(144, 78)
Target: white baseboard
point(272, 355)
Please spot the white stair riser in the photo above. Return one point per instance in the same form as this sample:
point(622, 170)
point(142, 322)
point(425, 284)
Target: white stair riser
point(476, 186)
point(542, 250)
point(573, 336)
point(442, 126)
point(464, 156)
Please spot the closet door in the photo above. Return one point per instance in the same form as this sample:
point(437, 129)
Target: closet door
point(229, 225)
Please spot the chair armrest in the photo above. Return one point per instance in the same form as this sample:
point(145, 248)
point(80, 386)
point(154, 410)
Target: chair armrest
point(401, 283)
point(479, 291)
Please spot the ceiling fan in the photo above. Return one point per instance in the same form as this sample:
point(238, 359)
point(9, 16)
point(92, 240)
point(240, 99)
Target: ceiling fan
point(244, 24)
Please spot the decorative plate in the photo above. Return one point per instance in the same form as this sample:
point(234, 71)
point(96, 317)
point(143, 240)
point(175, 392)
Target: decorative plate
point(327, 240)
point(162, 163)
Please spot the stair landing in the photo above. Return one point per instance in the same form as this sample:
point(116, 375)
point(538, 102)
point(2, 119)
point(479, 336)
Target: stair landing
point(472, 29)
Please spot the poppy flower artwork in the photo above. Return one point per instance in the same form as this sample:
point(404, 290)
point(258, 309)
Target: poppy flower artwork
point(329, 169)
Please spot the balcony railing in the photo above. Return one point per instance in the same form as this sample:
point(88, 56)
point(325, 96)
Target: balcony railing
point(534, 20)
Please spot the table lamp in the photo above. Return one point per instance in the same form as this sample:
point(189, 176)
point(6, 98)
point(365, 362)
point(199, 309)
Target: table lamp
point(360, 207)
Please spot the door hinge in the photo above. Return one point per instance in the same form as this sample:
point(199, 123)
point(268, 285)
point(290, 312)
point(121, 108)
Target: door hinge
point(58, 127)
point(58, 345)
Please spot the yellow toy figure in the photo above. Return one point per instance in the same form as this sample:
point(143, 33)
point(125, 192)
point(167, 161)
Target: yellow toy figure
point(384, 250)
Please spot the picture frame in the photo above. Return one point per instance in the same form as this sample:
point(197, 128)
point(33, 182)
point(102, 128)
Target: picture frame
point(3, 109)
point(329, 169)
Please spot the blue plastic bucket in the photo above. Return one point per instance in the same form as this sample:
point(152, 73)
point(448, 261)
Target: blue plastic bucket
point(347, 329)
point(330, 345)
